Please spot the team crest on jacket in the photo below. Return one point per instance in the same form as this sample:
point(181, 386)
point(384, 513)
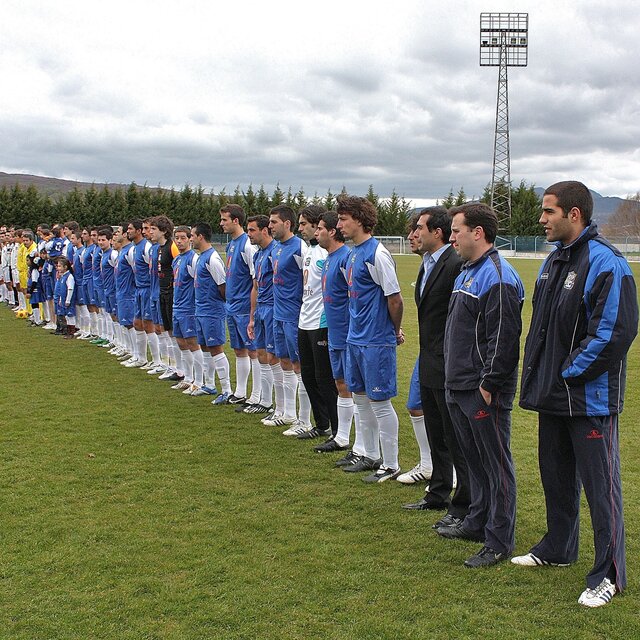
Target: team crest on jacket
point(570, 280)
point(467, 283)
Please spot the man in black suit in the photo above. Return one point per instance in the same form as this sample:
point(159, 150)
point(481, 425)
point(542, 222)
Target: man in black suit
point(439, 269)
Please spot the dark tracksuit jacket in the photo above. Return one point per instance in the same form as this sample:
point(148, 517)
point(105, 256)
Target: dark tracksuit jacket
point(585, 317)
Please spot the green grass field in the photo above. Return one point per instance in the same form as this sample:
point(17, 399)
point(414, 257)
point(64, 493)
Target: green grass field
point(132, 511)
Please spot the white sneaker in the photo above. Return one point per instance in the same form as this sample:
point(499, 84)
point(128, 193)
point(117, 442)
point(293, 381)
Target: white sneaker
point(49, 326)
point(280, 421)
point(156, 369)
point(167, 374)
point(529, 560)
point(191, 389)
point(136, 364)
point(297, 429)
point(599, 596)
point(270, 416)
point(147, 365)
point(180, 386)
point(417, 474)
point(127, 361)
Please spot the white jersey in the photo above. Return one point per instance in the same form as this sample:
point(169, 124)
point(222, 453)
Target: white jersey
point(312, 309)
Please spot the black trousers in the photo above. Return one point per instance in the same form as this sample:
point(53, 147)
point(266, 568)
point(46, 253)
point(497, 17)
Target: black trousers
point(484, 434)
point(445, 454)
point(317, 376)
point(575, 452)
point(166, 309)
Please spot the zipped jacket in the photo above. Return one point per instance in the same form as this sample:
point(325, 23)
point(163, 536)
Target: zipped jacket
point(585, 317)
point(482, 334)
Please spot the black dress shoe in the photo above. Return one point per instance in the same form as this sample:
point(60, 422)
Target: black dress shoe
point(458, 532)
point(446, 521)
point(424, 505)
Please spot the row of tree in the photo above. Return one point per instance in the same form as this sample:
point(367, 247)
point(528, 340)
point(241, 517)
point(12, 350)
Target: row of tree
point(26, 207)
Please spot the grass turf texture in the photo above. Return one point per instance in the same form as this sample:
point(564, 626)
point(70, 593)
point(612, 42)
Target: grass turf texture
point(132, 511)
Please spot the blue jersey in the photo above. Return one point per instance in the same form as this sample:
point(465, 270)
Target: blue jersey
point(57, 246)
point(154, 276)
point(78, 264)
point(96, 268)
point(142, 255)
point(371, 277)
point(108, 262)
point(287, 258)
point(69, 251)
point(335, 294)
point(239, 275)
point(263, 273)
point(87, 263)
point(64, 291)
point(125, 279)
point(210, 273)
point(184, 271)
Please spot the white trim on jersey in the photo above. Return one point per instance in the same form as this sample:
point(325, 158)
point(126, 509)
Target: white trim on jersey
point(216, 268)
point(383, 272)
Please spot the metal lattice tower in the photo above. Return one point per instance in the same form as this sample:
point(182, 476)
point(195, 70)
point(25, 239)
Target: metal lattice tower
point(503, 43)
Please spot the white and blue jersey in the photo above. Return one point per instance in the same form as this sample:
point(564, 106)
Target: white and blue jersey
point(56, 247)
point(336, 296)
point(288, 259)
point(142, 255)
point(371, 278)
point(108, 262)
point(209, 275)
point(124, 276)
point(239, 276)
point(184, 271)
point(263, 273)
point(312, 310)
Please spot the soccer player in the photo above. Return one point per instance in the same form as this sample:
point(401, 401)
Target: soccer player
point(481, 352)
point(142, 321)
point(335, 291)
point(585, 317)
point(239, 283)
point(313, 346)
point(87, 276)
point(108, 263)
point(30, 247)
point(82, 313)
point(287, 259)
point(260, 327)
point(210, 314)
point(98, 291)
point(66, 296)
point(375, 312)
point(184, 303)
point(125, 294)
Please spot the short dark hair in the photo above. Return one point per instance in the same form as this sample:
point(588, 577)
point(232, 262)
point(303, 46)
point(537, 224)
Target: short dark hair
point(164, 224)
point(136, 223)
point(330, 219)
point(572, 193)
point(312, 213)
point(105, 231)
point(261, 221)
point(72, 224)
point(438, 219)
point(203, 229)
point(478, 214)
point(235, 211)
point(183, 228)
point(284, 212)
point(360, 209)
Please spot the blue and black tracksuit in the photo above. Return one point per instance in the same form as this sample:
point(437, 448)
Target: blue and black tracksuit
point(585, 317)
point(481, 348)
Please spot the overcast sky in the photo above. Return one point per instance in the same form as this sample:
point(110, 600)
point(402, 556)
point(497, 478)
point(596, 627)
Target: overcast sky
point(316, 95)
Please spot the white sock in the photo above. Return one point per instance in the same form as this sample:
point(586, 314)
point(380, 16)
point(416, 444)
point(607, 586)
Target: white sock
point(256, 384)
point(221, 363)
point(101, 325)
point(165, 344)
point(93, 323)
point(141, 345)
point(209, 370)
point(187, 363)
point(388, 426)
point(131, 341)
point(304, 409)
point(154, 347)
point(266, 385)
point(290, 385)
point(36, 314)
point(22, 301)
point(345, 416)
point(198, 367)
point(368, 426)
point(177, 356)
point(278, 387)
point(243, 367)
point(420, 432)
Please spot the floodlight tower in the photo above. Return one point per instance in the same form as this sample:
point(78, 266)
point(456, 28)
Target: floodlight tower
point(504, 42)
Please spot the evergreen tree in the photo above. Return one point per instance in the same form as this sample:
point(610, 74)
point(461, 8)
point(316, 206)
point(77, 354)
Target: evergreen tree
point(263, 203)
point(277, 197)
point(300, 200)
point(249, 201)
point(461, 197)
point(330, 201)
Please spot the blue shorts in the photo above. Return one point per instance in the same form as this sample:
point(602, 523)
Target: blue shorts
point(143, 304)
point(211, 331)
point(285, 336)
point(156, 316)
point(184, 326)
point(373, 370)
point(47, 287)
point(338, 358)
point(110, 303)
point(263, 328)
point(126, 311)
point(238, 338)
point(414, 403)
point(98, 295)
point(88, 291)
point(81, 293)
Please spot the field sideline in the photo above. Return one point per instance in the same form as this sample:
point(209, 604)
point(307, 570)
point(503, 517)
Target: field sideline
point(130, 511)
